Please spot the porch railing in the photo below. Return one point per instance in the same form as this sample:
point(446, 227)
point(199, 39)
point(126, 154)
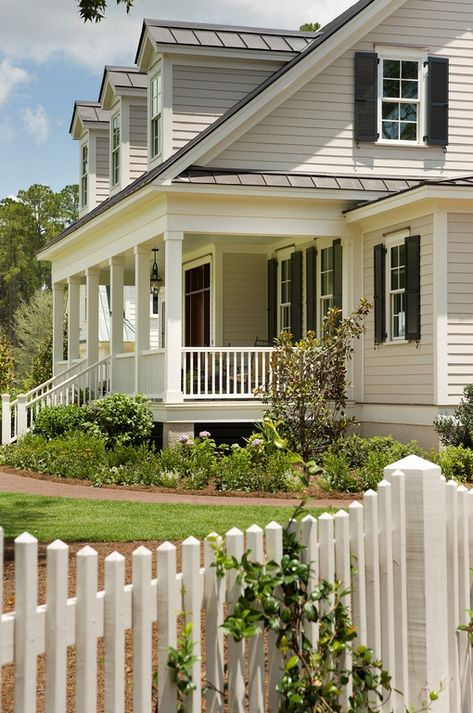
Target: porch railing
point(79, 388)
point(224, 372)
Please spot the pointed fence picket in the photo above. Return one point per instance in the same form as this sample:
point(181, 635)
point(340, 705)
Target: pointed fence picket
point(404, 555)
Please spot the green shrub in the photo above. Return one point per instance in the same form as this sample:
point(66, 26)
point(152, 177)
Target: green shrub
point(75, 455)
point(456, 463)
point(456, 429)
point(55, 421)
point(122, 418)
point(355, 448)
point(243, 470)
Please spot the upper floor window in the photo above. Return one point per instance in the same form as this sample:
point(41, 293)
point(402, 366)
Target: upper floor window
point(156, 107)
point(115, 139)
point(401, 97)
point(84, 175)
point(400, 100)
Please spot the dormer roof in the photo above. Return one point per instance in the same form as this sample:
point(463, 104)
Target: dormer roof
point(122, 81)
point(87, 115)
point(170, 35)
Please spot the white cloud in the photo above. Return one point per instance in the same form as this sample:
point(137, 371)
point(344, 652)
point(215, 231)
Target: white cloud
point(10, 78)
point(36, 123)
point(115, 39)
point(7, 130)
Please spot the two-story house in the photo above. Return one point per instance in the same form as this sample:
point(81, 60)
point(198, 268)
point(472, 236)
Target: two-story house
point(241, 181)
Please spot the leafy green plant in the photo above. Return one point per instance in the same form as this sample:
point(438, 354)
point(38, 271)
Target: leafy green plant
point(122, 418)
point(55, 421)
point(307, 394)
point(180, 662)
point(456, 429)
point(278, 596)
point(456, 462)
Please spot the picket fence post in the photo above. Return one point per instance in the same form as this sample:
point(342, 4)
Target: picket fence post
point(6, 419)
point(426, 579)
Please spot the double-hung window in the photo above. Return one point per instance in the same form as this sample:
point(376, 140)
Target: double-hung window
point(84, 175)
point(400, 96)
point(326, 281)
point(115, 139)
point(285, 295)
point(396, 290)
point(156, 108)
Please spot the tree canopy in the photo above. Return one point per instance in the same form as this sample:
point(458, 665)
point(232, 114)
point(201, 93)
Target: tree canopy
point(310, 27)
point(94, 10)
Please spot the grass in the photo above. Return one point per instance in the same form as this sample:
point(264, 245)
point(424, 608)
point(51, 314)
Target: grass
point(74, 520)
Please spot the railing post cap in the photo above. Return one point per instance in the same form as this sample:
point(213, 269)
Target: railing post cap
point(164, 547)
point(191, 541)
point(87, 551)
point(115, 557)
point(25, 539)
point(57, 545)
point(22, 398)
point(254, 529)
point(5, 397)
point(273, 526)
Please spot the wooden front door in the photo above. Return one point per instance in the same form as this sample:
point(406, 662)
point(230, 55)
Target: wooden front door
point(197, 310)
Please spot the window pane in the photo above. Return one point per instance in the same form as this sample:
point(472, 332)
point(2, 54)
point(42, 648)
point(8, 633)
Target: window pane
point(390, 111)
point(408, 112)
point(390, 130)
point(409, 132)
point(398, 316)
point(395, 256)
point(410, 70)
point(409, 90)
point(391, 88)
point(391, 68)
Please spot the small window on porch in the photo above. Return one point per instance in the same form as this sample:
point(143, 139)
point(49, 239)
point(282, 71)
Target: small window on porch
point(326, 281)
point(285, 295)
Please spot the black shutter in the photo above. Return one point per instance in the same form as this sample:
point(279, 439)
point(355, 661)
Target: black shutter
point(437, 102)
point(296, 295)
point(379, 294)
point(412, 244)
point(272, 300)
point(311, 287)
point(366, 96)
point(337, 273)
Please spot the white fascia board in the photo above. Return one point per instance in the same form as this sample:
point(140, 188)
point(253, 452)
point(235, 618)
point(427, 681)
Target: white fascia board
point(409, 198)
point(316, 194)
point(77, 127)
point(285, 86)
point(224, 53)
point(130, 202)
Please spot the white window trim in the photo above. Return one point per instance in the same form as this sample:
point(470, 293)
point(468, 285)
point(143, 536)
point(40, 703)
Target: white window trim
point(391, 241)
point(399, 54)
point(115, 151)
point(282, 255)
point(321, 244)
point(156, 117)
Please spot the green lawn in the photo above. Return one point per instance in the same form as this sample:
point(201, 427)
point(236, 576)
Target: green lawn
point(75, 520)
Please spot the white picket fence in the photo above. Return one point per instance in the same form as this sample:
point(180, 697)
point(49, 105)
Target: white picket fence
point(405, 552)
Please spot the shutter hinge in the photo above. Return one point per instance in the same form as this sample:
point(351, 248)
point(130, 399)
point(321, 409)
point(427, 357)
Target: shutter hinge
point(426, 63)
point(385, 250)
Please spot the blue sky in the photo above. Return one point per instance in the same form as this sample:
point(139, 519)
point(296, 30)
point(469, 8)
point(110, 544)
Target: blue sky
point(49, 58)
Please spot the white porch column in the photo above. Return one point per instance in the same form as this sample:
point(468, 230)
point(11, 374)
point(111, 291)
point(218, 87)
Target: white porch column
point(92, 277)
point(58, 324)
point(142, 298)
point(116, 313)
point(173, 319)
point(73, 318)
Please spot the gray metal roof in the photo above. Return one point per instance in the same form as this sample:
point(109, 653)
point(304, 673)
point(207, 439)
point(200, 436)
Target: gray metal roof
point(198, 34)
point(89, 112)
point(126, 77)
point(274, 179)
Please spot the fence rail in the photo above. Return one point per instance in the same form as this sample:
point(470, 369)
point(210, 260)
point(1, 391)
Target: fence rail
point(224, 372)
point(404, 552)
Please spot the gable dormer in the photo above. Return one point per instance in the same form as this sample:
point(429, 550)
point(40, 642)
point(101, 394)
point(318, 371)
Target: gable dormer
point(90, 126)
point(196, 72)
point(124, 95)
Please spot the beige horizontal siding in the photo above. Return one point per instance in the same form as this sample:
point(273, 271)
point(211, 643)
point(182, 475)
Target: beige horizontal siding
point(460, 302)
point(138, 141)
point(202, 94)
point(313, 130)
point(102, 183)
point(401, 373)
point(244, 299)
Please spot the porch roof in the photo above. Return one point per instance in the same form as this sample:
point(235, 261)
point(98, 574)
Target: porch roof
point(276, 179)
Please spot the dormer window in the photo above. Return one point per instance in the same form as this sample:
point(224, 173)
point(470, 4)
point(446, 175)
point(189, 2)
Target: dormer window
point(115, 140)
point(84, 175)
point(156, 107)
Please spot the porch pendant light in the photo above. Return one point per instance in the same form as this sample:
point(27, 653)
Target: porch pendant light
point(155, 281)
